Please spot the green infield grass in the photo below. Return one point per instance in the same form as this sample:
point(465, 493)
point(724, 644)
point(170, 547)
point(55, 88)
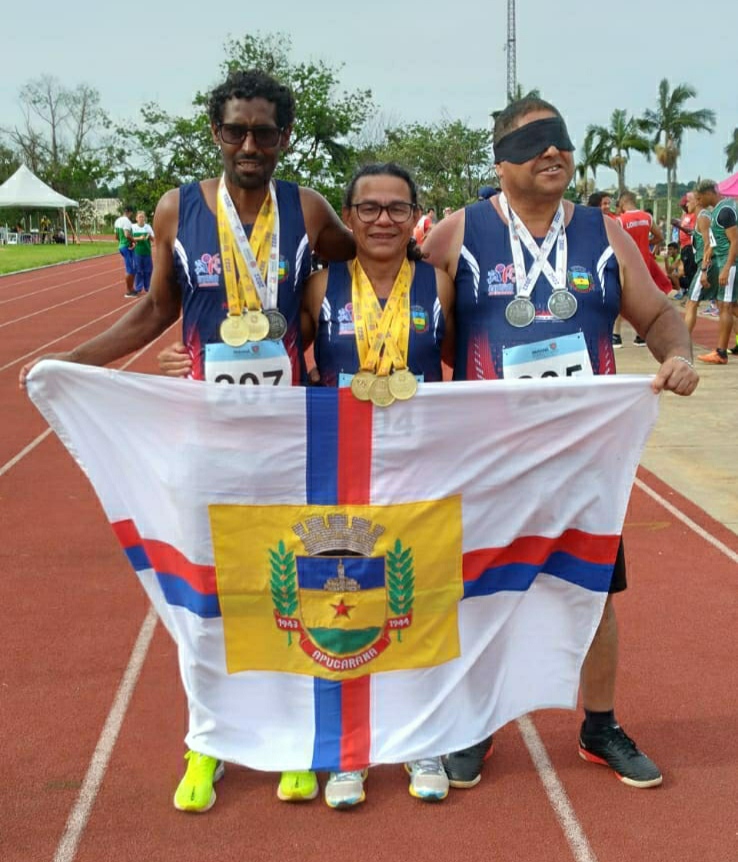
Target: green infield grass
point(14, 258)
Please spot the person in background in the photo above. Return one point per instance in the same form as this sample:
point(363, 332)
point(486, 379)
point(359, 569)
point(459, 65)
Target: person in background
point(123, 227)
point(142, 235)
point(424, 225)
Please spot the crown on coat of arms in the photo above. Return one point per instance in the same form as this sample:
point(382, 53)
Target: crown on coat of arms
point(332, 532)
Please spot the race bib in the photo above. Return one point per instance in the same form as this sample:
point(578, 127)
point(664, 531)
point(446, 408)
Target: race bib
point(559, 357)
point(256, 363)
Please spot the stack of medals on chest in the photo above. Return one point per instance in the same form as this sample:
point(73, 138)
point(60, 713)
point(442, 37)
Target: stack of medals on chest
point(382, 338)
point(520, 311)
point(244, 263)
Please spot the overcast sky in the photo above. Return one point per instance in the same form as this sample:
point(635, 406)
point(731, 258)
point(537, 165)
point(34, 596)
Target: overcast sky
point(422, 61)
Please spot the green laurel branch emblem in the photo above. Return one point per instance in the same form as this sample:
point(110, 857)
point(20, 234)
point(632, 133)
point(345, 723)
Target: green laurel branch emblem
point(283, 582)
point(400, 581)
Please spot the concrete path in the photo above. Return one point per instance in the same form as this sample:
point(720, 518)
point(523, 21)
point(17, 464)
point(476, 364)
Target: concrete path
point(693, 447)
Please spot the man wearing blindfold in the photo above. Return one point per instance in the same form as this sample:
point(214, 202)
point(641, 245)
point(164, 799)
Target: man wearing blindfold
point(539, 283)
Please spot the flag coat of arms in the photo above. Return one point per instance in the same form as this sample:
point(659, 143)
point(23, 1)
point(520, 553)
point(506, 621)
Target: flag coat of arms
point(349, 585)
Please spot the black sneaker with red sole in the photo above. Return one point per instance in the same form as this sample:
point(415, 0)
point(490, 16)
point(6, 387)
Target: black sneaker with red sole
point(611, 746)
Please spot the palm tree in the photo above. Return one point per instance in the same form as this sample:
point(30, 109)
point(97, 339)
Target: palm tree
point(731, 152)
point(593, 155)
point(668, 123)
point(619, 140)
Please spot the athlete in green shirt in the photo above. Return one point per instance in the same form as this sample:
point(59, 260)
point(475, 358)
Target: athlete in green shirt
point(722, 250)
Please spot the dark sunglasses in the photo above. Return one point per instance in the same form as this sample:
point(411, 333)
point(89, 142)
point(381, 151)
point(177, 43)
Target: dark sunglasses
point(265, 137)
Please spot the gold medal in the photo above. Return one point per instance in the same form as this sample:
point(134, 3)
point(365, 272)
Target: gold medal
point(403, 384)
point(361, 384)
point(379, 392)
point(234, 330)
point(258, 324)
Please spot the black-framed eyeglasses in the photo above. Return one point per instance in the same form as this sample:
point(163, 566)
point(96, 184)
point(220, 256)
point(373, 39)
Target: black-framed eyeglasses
point(265, 137)
point(369, 211)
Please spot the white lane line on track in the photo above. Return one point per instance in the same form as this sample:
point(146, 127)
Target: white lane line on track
point(23, 452)
point(52, 307)
point(30, 273)
point(80, 814)
point(62, 337)
point(41, 437)
point(571, 827)
point(687, 521)
point(58, 286)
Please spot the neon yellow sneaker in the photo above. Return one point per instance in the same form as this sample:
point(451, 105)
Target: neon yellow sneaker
point(195, 791)
point(297, 786)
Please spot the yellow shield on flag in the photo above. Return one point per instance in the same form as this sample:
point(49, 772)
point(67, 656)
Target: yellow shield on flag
point(339, 591)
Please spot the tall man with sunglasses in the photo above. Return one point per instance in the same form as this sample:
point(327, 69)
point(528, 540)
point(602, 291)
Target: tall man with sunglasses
point(539, 283)
point(232, 254)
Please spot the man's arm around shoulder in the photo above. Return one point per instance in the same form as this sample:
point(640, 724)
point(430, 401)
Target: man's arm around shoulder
point(329, 238)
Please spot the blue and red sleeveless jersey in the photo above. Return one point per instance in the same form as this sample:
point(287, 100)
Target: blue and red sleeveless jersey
point(485, 284)
point(335, 342)
point(199, 273)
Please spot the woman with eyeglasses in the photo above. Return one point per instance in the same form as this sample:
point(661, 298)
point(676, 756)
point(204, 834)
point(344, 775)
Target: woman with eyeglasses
point(381, 209)
point(350, 298)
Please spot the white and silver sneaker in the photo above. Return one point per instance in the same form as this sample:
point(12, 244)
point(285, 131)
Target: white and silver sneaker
point(428, 779)
point(345, 789)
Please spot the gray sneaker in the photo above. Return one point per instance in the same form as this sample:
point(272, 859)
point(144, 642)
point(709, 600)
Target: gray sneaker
point(428, 779)
point(345, 789)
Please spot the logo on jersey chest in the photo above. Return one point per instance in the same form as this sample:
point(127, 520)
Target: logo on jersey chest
point(419, 318)
point(580, 279)
point(501, 280)
point(345, 318)
point(207, 270)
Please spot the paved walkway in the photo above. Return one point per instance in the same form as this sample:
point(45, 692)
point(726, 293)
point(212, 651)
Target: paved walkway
point(693, 447)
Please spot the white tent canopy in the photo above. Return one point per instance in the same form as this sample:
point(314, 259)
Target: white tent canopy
point(26, 191)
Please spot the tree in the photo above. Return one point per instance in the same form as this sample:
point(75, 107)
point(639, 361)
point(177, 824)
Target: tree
point(63, 138)
point(731, 152)
point(9, 163)
point(448, 160)
point(180, 149)
point(593, 155)
point(618, 140)
point(668, 123)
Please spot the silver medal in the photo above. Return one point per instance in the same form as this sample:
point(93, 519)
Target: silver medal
point(520, 312)
point(277, 324)
point(562, 304)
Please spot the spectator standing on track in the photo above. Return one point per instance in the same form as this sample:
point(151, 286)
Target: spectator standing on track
point(239, 214)
point(697, 292)
point(685, 230)
point(123, 228)
point(640, 225)
point(723, 250)
point(574, 272)
point(142, 235)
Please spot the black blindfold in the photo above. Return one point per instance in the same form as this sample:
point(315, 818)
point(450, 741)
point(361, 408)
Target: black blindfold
point(532, 139)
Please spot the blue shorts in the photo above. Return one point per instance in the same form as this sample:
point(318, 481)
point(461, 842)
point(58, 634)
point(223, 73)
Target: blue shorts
point(129, 259)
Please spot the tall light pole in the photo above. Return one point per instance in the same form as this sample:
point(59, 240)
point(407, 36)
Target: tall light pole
point(512, 83)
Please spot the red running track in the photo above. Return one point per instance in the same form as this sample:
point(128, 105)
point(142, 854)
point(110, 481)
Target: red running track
point(93, 716)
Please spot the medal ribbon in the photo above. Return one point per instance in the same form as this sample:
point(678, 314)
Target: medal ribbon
point(519, 233)
point(244, 262)
point(382, 335)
